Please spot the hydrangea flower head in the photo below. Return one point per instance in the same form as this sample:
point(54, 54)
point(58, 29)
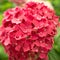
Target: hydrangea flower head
point(28, 33)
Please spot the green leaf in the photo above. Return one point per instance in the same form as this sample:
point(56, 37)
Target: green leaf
point(56, 5)
point(53, 55)
point(1, 19)
point(57, 41)
point(3, 55)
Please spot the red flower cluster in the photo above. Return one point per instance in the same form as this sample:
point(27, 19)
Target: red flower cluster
point(27, 33)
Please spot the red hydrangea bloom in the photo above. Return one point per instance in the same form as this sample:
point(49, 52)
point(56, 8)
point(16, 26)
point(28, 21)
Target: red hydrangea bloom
point(28, 33)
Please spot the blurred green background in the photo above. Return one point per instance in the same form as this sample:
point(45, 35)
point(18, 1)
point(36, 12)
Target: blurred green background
point(54, 54)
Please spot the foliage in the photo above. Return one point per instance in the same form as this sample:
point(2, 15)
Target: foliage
point(56, 4)
point(3, 55)
point(57, 41)
point(53, 55)
point(1, 18)
point(4, 5)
